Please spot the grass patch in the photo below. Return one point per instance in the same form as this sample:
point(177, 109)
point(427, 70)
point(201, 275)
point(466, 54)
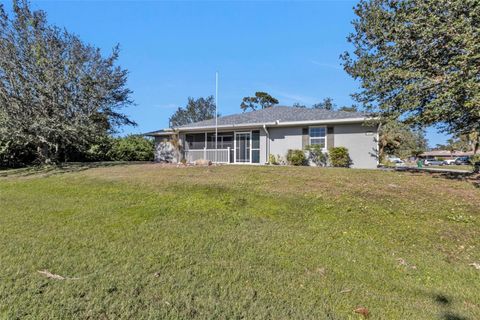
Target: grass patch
point(249, 242)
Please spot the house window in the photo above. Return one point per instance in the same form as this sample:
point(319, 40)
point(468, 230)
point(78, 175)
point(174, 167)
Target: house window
point(255, 146)
point(225, 140)
point(317, 136)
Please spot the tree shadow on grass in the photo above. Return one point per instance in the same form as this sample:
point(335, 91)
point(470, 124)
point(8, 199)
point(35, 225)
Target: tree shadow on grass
point(446, 303)
point(473, 178)
point(63, 168)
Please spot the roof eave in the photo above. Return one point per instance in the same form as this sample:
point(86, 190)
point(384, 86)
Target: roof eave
point(164, 132)
point(278, 124)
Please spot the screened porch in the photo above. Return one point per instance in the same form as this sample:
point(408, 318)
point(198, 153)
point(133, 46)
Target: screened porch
point(231, 147)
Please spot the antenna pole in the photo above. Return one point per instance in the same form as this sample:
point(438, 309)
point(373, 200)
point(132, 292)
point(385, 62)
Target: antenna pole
point(216, 116)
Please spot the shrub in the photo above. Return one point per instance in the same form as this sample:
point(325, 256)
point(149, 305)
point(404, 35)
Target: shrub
point(132, 148)
point(296, 157)
point(99, 151)
point(339, 157)
point(474, 159)
point(387, 163)
point(316, 155)
point(272, 159)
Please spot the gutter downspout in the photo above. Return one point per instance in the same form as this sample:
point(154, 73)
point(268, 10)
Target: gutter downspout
point(267, 143)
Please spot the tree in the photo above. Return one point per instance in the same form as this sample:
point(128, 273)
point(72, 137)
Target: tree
point(326, 104)
point(299, 105)
point(352, 108)
point(465, 143)
point(132, 148)
point(261, 100)
point(418, 61)
point(56, 93)
point(396, 138)
point(196, 110)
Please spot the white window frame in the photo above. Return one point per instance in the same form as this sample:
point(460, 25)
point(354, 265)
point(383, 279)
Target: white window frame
point(310, 136)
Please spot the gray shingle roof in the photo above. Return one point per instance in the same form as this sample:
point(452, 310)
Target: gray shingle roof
point(283, 114)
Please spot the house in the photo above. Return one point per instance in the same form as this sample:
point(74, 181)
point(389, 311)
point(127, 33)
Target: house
point(250, 137)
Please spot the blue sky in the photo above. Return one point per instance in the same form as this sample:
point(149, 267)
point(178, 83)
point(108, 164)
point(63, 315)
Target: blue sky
point(173, 49)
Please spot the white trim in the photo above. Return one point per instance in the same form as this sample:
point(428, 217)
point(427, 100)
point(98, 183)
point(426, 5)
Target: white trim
point(278, 124)
point(325, 138)
point(235, 147)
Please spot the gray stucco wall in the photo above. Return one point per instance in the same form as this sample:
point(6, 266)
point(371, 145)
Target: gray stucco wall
point(360, 142)
point(263, 147)
point(358, 139)
point(282, 139)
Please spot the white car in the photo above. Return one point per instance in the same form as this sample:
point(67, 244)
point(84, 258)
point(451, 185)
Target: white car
point(433, 162)
point(396, 160)
point(449, 162)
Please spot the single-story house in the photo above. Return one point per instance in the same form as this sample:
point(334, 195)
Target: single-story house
point(250, 137)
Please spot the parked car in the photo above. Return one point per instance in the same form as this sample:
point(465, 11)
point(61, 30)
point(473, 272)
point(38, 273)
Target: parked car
point(449, 162)
point(433, 162)
point(395, 160)
point(465, 160)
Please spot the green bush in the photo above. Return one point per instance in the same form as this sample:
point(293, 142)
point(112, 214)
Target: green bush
point(132, 148)
point(99, 151)
point(316, 155)
point(474, 159)
point(339, 157)
point(272, 159)
point(296, 157)
point(387, 163)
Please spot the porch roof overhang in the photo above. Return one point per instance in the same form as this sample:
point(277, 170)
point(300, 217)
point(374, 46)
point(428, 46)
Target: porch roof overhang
point(160, 133)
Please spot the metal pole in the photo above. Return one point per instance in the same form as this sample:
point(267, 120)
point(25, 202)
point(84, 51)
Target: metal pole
point(216, 115)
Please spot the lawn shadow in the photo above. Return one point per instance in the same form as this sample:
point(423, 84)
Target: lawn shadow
point(468, 176)
point(445, 303)
point(64, 168)
point(452, 316)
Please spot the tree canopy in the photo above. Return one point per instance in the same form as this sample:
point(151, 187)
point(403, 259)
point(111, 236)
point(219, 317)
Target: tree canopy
point(56, 92)
point(196, 110)
point(261, 100)
point(464, 142)
point(418, 61)
point(326, 104)
point(396, 138)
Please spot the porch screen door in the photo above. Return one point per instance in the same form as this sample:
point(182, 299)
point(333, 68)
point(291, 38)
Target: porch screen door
point(242, 147)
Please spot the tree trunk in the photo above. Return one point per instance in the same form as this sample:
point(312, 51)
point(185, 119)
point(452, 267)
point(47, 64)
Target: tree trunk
point(43, 153)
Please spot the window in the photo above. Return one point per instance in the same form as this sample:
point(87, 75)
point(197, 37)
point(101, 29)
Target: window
point(318, 136)
point(225, 140)
point(255, 146)
point(195, 141)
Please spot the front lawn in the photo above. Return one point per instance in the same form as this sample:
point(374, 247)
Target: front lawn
point(145, 241)
point(453, 167)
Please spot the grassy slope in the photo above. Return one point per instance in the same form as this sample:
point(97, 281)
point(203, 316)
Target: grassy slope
point(238, 241)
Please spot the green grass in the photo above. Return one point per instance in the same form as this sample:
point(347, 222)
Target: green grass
point(452, 167)
point(145, 241)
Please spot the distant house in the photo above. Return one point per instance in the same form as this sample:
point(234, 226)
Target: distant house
point(250, 137)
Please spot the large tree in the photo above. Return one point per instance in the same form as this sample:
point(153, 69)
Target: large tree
point(326, 104)
point(419, 61)
point(261, 100)
point(56, 92)
point(196, 110)
point(396, 138)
